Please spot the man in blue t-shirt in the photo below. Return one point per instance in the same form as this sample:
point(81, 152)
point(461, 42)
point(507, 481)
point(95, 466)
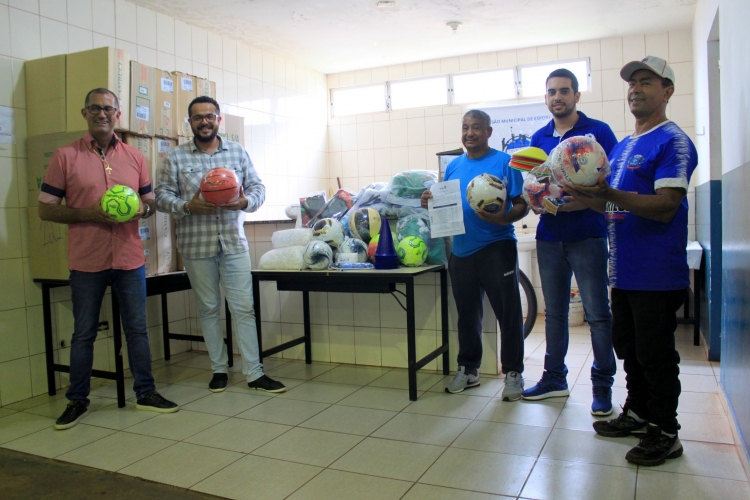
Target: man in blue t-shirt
point(644, 203)
point(485, 260)
point(573, 242)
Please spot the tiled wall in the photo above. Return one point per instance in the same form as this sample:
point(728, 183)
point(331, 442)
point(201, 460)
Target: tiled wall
point(283, 104)
point(374, 147)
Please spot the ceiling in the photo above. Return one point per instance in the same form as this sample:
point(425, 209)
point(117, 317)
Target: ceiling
point(342, 35)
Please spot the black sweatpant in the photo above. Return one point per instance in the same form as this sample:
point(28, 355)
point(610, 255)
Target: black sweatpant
point(492, 270)
point(643, 329)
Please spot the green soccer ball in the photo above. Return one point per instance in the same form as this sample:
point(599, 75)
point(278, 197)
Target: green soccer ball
point(122, 202)
point(412, 251)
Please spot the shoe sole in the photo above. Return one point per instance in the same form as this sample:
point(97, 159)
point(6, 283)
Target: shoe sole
point(551, 394)
point(62, 427)
point(274, 391)
point(657, 461)
point(218, 390)
point(469, 386)
point(157, 410)
point(601, 413)
point(620, 433)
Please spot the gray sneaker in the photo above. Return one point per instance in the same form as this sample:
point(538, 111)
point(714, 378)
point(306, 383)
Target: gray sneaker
point(462, 381)
point(513, 386)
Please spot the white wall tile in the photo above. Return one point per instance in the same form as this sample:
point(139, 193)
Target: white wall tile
point(526, 56)
point(79, 39)
point(683, 74)
point(592, 50)
point(268, 68)
point(658, 45)
point(25, 35)
point(54, 9)
point(431, 67)
point(243, 59)
point(468, 63)
point(611, 50)
point(12, 344)
point(103, 20)
point(378, 75)
point(347, 79)
point(547, 53)
point(27, 5)
point(682, 110)
point(215, 50)
point(8, 186)
point(165, 33)
point(680, 46)
point(593, 110)
point(80, 13)
point(126, 21)
point(415, 132)
point(366, 163)
point(279, 72)
point(396, 72)
point(147, 56)
point(183, 40)
point(12, 272)
point(165, 61)
point(256, 64)
point(103, 41)
point(633, 48)
point(54, 37)
point(613, 86)
point(15, 381)
point(450, 65)
point(146, 21)
point(5, 31)
point(362, 77)
point(613, 114)
point(229, 58)
point(6, 84)
point(199, 45)
point(349, 137)
point(184, 65)
point(365, 136)
point(567, 51)
point(595, 93)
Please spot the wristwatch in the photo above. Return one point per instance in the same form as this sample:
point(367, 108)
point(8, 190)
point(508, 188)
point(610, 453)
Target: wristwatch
point(147, 212)
point(186, 209)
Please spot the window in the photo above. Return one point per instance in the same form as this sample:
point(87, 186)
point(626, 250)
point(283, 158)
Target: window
point(358, 100)
point(533, 78)
point(420, 93)
point(495, 85)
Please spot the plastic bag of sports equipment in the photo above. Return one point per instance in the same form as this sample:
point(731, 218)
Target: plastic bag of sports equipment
point(309, 206)
point(336, 207)
point(540, 190)
point(416, 222)
point(407, 187)
point(291, 237)
point(578, 161)
point(376, 192)
point(283, 259)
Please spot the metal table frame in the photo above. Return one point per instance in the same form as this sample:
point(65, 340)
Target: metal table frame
point(160, 284)
point(364, 281)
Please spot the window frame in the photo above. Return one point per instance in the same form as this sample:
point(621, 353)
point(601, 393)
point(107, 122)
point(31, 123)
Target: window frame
point(386, 98)
point(519, 81)
point(513, 70)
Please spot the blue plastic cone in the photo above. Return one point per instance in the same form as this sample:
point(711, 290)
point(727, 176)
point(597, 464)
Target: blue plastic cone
point(385, 255)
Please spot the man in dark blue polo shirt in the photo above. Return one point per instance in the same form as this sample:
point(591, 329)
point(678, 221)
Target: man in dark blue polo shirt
point(573, 242)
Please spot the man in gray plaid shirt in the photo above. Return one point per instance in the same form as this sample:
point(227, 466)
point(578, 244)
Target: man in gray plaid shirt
point(212, 241)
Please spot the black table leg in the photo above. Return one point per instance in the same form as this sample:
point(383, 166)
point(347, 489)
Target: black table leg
point(49, 348)
point(411, 340)
point(228, 338)
point(256, 307)
point(444, 316)
point(117, 337)
point(165, 326)
point(308, 333)
point(698, 283)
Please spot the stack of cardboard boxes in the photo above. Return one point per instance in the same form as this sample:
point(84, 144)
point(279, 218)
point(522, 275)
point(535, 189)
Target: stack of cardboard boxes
point(153, 105)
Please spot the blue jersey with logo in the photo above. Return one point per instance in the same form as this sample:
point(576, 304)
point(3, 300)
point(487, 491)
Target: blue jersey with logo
point(645, 254)
point(581, 224)
point(479, 233)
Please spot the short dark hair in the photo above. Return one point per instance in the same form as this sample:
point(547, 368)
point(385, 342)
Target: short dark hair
point(101, 90)
point(666, 82)
point(202, 99)
point(564, 73)
point(481, 116)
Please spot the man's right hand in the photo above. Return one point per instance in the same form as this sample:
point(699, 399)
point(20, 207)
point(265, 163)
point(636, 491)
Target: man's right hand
point(95, 213)
point(200, 207)
point(425, 196)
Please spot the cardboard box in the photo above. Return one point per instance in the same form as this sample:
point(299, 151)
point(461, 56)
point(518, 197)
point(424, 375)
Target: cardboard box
point(142, 99)
point(45, 96)
point(205, 87)
point(147, 230)
point(48, 248)
point(165, 105)
point(40, 149)
point(186, 92)
point(105, 67)
point(166, 238)
point(232, 128)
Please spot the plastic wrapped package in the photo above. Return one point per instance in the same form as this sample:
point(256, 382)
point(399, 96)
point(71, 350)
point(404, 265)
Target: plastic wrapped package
point(407, 187)
point(283, 259)
point(291, 237)
point(539, 186)
point(374, 193)
point(336, 207)
point(311, 205)
point(416, 222)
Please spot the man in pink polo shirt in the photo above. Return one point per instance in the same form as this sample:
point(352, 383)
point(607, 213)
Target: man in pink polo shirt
point(101, 251)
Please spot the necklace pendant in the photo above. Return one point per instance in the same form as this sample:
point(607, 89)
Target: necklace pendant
point(108, 169)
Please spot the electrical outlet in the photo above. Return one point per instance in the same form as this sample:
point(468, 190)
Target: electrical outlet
point(62, 343)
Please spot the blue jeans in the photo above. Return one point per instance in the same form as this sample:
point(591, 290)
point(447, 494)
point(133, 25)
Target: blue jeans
point(232, 273)
point(587, 259)
point(87, 292)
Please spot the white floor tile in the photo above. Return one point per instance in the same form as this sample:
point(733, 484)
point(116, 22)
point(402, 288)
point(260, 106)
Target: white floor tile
point(391, 459)
point(656, 484)
point(116, 451)
point(351, 486)
point(552, 480)
point(51, 443)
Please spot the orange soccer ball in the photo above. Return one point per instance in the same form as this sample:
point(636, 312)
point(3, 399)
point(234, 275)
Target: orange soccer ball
point(220, 186)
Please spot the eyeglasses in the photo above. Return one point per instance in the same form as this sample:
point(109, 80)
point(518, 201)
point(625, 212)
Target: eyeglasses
point(95, 110)
point(199, 118)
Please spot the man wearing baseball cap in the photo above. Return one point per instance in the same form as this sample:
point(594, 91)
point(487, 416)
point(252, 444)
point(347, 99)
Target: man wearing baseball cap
point(644, 203)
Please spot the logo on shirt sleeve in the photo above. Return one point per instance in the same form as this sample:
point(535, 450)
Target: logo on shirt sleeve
point(635, 162)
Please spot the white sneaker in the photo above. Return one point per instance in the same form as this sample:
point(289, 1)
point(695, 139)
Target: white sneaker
point(462, 381)
point(513, 386)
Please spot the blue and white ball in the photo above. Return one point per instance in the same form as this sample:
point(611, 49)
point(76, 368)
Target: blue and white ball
point(318, 255)
point(329, 231)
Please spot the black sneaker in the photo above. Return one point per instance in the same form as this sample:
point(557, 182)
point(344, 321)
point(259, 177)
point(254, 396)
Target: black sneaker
point(218, 382)
point(153, 401)
point(267, 384)
point(623, 425)
point(655, 448)
point(69, 418)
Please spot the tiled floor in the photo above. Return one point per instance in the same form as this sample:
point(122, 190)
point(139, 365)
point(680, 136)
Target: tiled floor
point(351, 433)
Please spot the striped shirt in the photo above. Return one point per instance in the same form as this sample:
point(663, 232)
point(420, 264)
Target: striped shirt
point(201, 236)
